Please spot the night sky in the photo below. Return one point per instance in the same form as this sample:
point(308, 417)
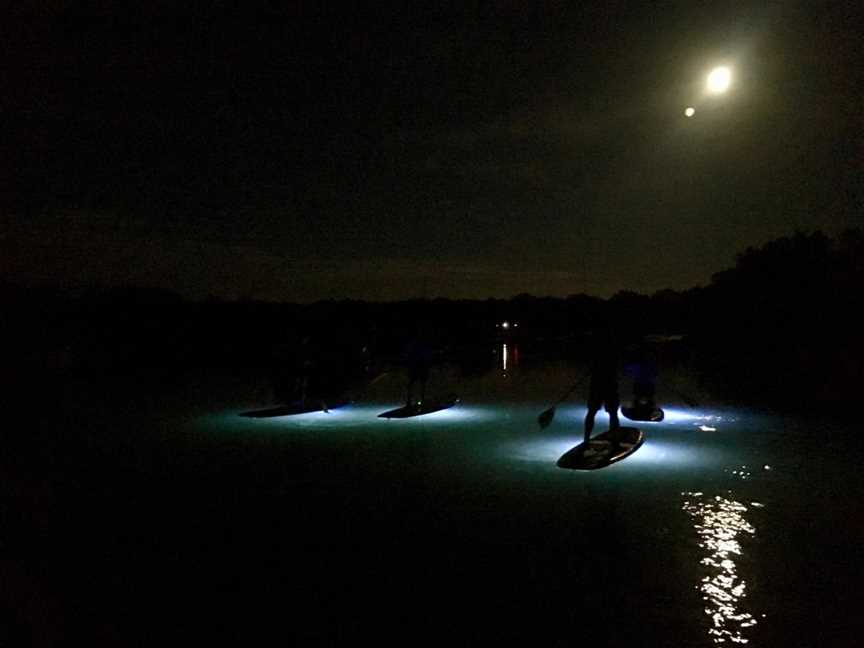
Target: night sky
point(402, 150)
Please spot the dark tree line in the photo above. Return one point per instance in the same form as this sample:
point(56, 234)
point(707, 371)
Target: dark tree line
point(783, 325)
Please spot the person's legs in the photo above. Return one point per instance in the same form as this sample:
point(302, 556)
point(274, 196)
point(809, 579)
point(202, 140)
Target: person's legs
point(589, 421)
point(595, 402)
point(612, 404)
point(612, 410)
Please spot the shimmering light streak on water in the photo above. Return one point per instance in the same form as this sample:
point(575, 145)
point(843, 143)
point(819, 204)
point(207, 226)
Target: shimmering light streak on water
point(672, 455)
point(701, 419)
point(720, 523)
point(743, 473)
point(673, 415)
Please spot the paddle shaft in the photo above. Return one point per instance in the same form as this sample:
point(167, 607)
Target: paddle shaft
point(573, 388)
point(546, 417)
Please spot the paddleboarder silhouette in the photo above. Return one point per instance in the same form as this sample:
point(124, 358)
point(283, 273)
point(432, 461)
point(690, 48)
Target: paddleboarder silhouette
point(643, 368)
point(418, 360)
point(603, 388)
point(309, 386)
point(304, 368)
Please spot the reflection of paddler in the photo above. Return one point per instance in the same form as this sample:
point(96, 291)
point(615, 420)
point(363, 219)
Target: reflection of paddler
point(306, 366)
point(303, 363)
point(285, 372)
point(643, 368)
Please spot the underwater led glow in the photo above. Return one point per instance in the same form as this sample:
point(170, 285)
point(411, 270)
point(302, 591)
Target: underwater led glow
point(545, 450)
point(720, 523)
point(351, 419)
point(674, 455)
point(678, 415)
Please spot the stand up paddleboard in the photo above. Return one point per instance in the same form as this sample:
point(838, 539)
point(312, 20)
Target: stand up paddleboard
point(652, 414)
point(293, 409)
point(603, 449)
point(419, 409)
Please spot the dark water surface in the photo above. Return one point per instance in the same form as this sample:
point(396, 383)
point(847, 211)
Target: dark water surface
point(148, 523)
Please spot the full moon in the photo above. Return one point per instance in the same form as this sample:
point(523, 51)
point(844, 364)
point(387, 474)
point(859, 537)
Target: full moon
point(690, 111)
point(719, 79)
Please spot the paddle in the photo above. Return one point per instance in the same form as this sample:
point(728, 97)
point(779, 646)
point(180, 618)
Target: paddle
point(380, 376)
point(545, 418)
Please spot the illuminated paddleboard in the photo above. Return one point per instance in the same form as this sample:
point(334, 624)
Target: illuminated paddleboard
point(602, 450)
point(294, 409)
point(419, 409)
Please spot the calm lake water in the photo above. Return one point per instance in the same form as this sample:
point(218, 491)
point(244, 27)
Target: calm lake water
point(727, 526)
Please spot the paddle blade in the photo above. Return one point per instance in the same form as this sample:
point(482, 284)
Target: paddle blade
point(546, 418)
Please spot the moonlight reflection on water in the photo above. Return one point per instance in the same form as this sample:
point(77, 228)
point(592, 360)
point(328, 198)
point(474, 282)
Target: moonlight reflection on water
point(720, 522)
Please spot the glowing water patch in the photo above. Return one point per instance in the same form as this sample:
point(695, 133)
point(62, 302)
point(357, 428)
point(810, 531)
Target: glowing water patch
point(542, 450)
point(671, 455)
point(719, 522)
